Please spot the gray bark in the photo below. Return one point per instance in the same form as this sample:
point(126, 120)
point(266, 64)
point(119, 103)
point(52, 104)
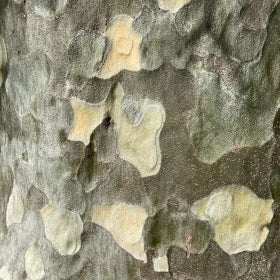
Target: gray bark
point(139, 139)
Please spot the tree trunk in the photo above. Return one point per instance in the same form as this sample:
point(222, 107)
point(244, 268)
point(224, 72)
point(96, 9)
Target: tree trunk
point(139, 139)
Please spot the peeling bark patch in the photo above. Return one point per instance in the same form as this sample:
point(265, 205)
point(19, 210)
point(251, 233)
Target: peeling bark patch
point(138, 143)
point(6, 188)
point(161, 264)
point(34, 266)
point(5, 274)
point(124, 50)
point(238, 217)
point(172, 5)
point(3, 59)
point(86, 118)
point(125, 223)
point(63, 229)
point(15, 208)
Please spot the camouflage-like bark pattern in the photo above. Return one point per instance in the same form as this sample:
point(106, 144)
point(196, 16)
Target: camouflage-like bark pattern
point(139, 139)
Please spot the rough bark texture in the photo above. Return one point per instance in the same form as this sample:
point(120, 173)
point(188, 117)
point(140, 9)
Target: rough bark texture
point(139, 139)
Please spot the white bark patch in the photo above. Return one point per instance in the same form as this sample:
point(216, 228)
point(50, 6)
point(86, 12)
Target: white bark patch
point(15, 208)
point(161, 264)
point(5, 274)
point(63, 228)
point(238, 217)
point(125, 223)
point(34, 266)
point(172, 5)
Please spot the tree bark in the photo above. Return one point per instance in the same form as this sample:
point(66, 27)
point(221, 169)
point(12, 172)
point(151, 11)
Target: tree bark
point(139, 139)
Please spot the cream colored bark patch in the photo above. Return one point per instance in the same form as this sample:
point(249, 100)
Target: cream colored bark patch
point(125, 223)
point(3, 59)
point(172, 5)
point(15, 208)
point(238, 217)
point(86, 118)
point(161, 264)
point(5, 274)
point(139, 144)
point(34, 266)
point(124, 50)
point(63, 229)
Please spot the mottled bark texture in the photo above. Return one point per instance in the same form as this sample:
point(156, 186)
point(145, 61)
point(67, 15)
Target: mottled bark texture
point(139, 139)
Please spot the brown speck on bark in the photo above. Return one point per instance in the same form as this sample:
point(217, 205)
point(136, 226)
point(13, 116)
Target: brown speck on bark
point(235, 149)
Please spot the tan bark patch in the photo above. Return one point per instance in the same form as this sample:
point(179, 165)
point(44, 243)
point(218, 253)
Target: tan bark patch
point(238, 217)
point(124, 50)
point(15, 208)
point(34, 266)
point(172, 5)
point(63, 228)
point(125, 223)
